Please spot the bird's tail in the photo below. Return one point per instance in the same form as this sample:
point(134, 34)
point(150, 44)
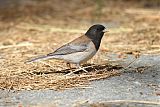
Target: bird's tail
point(44, 57)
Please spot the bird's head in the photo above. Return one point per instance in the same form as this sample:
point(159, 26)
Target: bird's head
point(96, 31)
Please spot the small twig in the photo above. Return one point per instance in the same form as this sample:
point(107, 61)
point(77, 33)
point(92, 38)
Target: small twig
point(125, 68)
point(134, 101)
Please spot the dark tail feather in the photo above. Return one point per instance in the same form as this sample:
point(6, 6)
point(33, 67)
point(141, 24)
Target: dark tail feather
point(38, 59)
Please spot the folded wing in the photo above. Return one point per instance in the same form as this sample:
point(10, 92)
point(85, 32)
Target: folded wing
point(69, 49)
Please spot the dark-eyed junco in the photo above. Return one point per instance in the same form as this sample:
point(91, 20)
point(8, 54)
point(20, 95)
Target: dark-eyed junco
point(80, 49)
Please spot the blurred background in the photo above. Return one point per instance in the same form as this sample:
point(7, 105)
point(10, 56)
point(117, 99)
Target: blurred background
point(68, 12)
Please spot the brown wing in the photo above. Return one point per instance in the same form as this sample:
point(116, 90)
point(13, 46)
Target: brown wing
point(78, 45)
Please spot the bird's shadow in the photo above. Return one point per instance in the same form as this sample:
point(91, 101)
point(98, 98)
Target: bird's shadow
point(88, 67)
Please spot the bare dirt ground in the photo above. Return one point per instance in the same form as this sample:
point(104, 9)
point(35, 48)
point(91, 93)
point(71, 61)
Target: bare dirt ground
point(35, 29)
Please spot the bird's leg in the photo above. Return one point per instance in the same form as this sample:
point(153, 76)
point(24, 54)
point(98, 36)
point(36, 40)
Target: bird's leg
point(68, 65)
point(79, 68)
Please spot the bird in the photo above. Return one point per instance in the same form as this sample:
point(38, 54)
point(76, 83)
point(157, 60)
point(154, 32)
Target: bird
point(79, 50)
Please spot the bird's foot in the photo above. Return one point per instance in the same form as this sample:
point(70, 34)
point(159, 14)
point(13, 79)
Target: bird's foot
point(80, 68)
